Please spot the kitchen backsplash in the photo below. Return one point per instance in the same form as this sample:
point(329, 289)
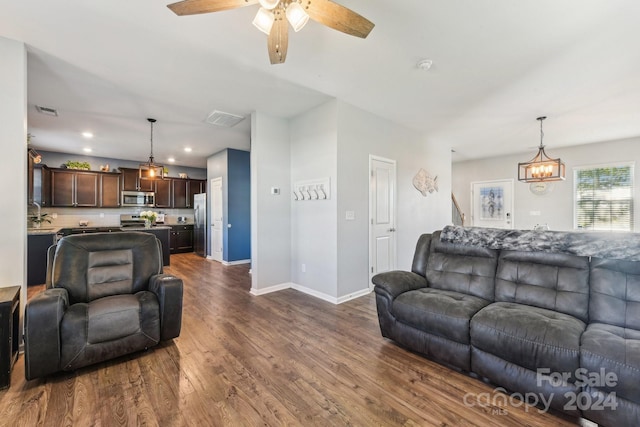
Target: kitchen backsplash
point(71, 217)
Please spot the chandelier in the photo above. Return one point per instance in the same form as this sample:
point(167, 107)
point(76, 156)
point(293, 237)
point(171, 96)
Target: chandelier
point(541, 167)
point(150, 169)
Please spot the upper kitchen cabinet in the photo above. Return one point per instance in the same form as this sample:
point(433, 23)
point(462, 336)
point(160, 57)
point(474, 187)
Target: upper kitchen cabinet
point(30, 178)
point(163, 193)
point(185, 189)
point(180, 193)
point(131, 181)
point(42, 186)
point(71, 188)
point(195, 186)
point(110, 190)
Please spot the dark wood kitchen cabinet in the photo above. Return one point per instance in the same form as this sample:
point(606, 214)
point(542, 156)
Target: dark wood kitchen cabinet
point(131, 181)
point(30, 178)
point(163, 193)
point(110, 190)
point(180, 195)
point(185, 189)
point(44, 190)
point(196, 186)
point(71, 188)
point(37, 247)
point(181, 239)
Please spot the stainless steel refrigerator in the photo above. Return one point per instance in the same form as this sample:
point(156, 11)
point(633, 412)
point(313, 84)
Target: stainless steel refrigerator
point(200, 224)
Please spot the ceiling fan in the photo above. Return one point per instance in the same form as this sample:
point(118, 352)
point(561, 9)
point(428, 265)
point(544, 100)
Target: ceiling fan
point(273, 15)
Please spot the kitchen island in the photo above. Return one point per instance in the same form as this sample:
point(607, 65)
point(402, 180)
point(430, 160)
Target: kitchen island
point(39, 240)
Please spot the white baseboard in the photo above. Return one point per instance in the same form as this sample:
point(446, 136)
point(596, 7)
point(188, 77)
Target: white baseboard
point(227, 263)
point(308, 291)
point(275, 288)
point(241, 261)
point(354, 295)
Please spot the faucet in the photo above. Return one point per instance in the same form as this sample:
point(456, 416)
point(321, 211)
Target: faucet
point(39, 208)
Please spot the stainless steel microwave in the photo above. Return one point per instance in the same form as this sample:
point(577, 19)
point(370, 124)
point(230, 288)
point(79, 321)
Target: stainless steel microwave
point(138, 198)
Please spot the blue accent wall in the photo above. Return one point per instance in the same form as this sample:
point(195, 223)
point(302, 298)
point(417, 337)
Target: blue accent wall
point(233, 166)
point(237, 245)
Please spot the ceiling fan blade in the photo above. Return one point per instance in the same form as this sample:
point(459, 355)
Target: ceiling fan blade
point(193, 7)
point(278, 41)
point(338, 17)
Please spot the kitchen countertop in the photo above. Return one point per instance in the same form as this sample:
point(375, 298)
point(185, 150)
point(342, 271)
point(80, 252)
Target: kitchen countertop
point(55, 230)
point(155, 227)
point(43, 230)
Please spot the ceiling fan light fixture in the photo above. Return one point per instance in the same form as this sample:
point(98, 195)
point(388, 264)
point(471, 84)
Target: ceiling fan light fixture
point(269, 4)
point(297, 16)
point(264, 20)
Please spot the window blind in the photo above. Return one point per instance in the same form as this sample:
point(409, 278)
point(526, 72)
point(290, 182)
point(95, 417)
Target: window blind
point(604, 198)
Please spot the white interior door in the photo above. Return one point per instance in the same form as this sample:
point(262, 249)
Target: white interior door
point(217, 235)
point(492, 203)
point(382, 194)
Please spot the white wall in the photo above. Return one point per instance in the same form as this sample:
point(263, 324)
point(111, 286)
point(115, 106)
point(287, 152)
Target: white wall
point(556, 207)
point(270, 214)
point(335, 140)
point(13, 166)
point(313, 223)
point(360, 134)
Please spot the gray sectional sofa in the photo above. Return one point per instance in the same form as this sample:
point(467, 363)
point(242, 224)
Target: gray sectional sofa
point(535, 313)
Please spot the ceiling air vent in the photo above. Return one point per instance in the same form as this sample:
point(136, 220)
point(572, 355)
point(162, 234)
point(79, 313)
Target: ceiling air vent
point(220, 118)
point(47, 110)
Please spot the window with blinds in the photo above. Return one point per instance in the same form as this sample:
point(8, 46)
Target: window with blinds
point(604, 198)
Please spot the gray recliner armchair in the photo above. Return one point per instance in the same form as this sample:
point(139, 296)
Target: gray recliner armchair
point(106, 297)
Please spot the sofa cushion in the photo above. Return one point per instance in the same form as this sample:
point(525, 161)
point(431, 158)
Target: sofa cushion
point(95, 265)
point(616, 350)
point(528, 336)
point(92, 332)
point(438, 312)
point(459, 268)
point(615, 293)
point(112, 317)
point(557, 282)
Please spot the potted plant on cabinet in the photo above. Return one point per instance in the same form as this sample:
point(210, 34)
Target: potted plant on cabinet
point(37, 220)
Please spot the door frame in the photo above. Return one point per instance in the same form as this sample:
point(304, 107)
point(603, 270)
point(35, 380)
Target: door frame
point(394, 200)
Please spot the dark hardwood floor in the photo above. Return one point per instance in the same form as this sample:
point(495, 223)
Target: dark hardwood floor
point(281, 359)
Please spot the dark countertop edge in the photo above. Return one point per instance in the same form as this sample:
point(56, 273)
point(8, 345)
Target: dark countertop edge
point(56, 230)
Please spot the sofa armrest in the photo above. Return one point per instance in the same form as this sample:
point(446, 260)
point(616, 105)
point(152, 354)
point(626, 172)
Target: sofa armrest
point(168, 289)
point(42, 316)
point(395, 283)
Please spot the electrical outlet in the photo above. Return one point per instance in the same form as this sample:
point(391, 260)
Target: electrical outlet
point(101, 215)
point(303, 268)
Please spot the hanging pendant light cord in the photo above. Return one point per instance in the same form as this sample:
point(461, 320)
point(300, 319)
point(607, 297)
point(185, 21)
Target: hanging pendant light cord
point(152, 121)
point(541, 131)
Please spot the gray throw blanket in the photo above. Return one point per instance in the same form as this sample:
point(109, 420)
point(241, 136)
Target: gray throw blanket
point(624, 246)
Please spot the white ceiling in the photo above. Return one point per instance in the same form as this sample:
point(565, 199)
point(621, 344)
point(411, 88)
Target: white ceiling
point(498, 64)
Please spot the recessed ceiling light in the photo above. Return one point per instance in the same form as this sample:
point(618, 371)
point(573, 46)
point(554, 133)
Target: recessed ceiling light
point(424, 64)
point(171, 160)
point(87, 134)
point(87, 150)
point(187, 149)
